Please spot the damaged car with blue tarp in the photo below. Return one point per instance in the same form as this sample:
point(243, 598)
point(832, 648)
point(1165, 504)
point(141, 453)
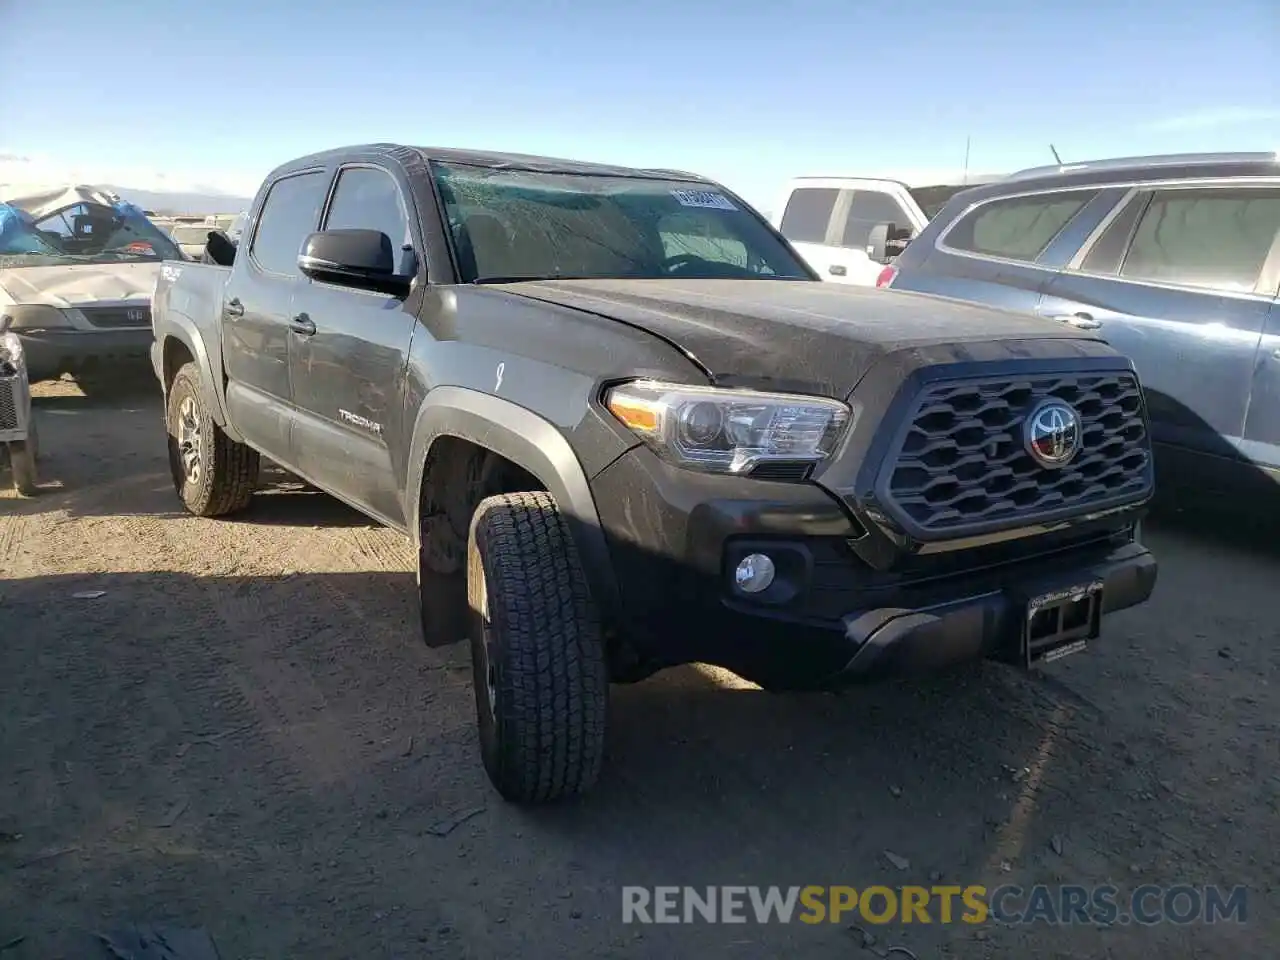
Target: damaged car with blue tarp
point(77, 267)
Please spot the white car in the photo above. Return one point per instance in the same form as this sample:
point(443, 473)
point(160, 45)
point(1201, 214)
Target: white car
point(77, 267)
point(831, 221)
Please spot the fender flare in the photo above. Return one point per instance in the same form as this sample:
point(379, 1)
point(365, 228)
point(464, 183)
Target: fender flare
point(183, 330)
point(532, 443)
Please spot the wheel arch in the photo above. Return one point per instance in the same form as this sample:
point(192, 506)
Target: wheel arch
point(530, 442)
point(181, 342)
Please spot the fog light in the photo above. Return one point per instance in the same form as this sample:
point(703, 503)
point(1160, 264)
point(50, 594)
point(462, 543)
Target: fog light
point(754, 573)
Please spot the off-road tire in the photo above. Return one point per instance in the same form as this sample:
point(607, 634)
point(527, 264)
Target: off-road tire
point(22, 461)
point(543, 737)
point(229, 473)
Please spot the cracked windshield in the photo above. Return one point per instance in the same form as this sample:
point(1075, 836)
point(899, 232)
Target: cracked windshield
point(492, 481)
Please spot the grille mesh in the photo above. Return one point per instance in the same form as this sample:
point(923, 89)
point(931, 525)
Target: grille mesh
point(8, 403)
point(962, 463)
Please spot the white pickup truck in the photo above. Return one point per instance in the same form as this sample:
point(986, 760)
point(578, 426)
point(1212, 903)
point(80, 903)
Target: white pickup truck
point(830, 220)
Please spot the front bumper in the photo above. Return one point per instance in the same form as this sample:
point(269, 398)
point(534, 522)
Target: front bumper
point(53, 353)
point(675, 538)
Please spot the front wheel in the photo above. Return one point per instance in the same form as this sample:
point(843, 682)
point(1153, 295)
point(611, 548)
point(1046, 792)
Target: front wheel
point(22, 460)
point(536, 651)
point(212, 474)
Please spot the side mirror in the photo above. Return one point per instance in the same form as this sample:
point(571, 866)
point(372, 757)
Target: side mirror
point(886, 241)
point(352, 258)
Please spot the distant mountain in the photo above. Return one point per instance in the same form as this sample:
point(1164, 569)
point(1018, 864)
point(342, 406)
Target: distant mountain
point(151, 191)
point(183, 202)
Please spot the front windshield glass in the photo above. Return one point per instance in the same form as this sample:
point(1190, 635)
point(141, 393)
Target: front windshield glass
point(83, 233)
point(508, 225)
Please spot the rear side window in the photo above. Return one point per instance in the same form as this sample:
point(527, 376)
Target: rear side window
point(808, 211)
point(1212, 237)
point(870, 207)
point(367, 198)
point(291, 211)
point(1019, 228)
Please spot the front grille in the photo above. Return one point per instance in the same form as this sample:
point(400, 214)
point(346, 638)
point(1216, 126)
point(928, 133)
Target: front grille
point(9, 403)
point(962, 465)
point(112, 317)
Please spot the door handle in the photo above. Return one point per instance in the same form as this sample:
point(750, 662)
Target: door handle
point(836, 270)
point(1275, 354)
point(1081, 321)
point(233, 308)
point(302, 324)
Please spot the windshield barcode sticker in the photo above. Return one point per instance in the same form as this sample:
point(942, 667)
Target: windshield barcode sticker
point(703, 198)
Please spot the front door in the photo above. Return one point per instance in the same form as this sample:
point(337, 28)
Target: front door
point(348, 374)
point(1171, 283)
point(1262, 426)
point(257, 306)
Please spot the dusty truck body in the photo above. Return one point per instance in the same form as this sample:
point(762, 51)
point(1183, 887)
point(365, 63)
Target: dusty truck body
point(77, 268)
point(627, 428)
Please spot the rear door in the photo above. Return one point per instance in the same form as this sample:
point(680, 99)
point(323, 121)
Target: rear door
point(1172, 280)
point(256, 313)
point(1003, 251)
point(805, 220)
point(349, 372)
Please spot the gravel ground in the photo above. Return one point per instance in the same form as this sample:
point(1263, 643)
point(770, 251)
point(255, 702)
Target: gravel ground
point(244, 732)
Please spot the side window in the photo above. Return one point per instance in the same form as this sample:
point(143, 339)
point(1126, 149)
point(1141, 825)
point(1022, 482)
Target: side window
point(1210, 237)
point(367, 198)
point(870, 207)
point(291, 211)
point(807, 213)
point(1019, 228)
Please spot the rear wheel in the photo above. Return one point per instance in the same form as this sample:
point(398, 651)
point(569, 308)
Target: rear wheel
point(212, 474)
point(537, 658)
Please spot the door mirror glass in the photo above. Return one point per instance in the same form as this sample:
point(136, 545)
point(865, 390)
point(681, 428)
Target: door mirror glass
point(353, 258)
point(886, 241)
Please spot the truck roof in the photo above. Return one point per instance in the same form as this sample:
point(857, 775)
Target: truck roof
point(484, 158)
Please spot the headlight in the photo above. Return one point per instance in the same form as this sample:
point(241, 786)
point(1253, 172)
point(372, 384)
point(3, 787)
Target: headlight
point(728, 431)
point(10, 352)
point(34, 316)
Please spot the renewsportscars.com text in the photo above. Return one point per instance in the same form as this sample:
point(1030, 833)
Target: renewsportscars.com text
point(974, 904)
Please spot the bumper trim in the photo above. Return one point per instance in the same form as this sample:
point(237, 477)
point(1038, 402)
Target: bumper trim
point(906, 641)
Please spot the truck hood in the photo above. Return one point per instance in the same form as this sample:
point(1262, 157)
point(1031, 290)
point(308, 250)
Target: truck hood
point(808, 337)
point(76, 285)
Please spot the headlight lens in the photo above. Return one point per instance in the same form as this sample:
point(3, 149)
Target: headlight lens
point(10, 353)
point(35, 316)
point(728, 431)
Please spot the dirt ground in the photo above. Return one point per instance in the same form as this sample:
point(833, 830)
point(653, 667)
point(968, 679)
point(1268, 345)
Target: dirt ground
point(236, 726)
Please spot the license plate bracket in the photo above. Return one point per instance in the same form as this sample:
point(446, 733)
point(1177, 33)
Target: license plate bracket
point(1061, 622)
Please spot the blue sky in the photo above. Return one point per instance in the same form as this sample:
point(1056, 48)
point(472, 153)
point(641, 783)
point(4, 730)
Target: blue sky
point(748, 92)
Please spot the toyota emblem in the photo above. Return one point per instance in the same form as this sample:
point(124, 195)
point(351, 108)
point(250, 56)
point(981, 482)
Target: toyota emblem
point(1052, 433)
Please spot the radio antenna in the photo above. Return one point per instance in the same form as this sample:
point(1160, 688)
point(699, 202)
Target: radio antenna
point(1054, 151)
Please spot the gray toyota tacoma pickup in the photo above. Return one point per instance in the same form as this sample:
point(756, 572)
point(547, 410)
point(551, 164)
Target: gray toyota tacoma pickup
point(627, 428)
